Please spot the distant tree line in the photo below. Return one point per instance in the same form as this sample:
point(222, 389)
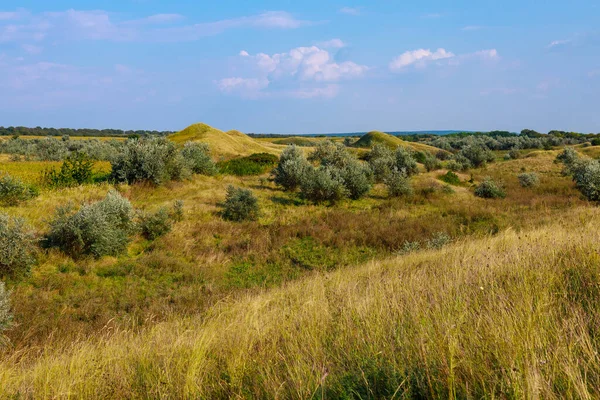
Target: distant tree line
point(39, 131)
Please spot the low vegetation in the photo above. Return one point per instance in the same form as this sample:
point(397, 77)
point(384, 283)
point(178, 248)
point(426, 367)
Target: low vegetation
point(13, 191)
point(17, 246)
point(240, 205)
point(490, 189)
point(254, 164)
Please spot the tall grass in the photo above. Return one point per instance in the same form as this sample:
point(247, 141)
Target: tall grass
point(512, 316)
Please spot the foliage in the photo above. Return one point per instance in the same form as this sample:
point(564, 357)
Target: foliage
point(586, 174)
point(381, 159)
point(240, 205)
point(291, 169)
point(438, 241)
point(255, 164)
point(529, 179)
point(489, 189)
point(322, 184)
point(77, 169)
point(149, 160)
point(177, 211)
point(404, 161)
point(97, 229)
point(6, 316)
point(155, 225)
point(197, 158)
point(398, 183)
point(431, 163)
point(357, 178)
point(17, 246)
point(13, 191)
point(328, 153)
point(450, 177)
point(38, 131)
point(513, 154)
point(477, 155)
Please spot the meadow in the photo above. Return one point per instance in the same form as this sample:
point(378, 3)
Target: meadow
point(432, 293)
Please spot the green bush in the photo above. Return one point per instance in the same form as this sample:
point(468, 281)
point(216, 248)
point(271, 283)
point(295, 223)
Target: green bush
point(323, 184)
point(291, 169)
point(431, 163)
point(6, 316)
point(17, 246)
point(404, 161)
point(255, 164)
point(97, 229)
point(438, 241)
point(357, 179)
point(450, 177)
point(155, 225)
point(149, 160)
point(529, 179)
point(586, 174)
point(596, 141)
point(77, 169)
point(478, 155)
point(331, 154)
point(13, 191)
point(488, 189)
point(197, 158)
point(240, 205)
point(381, 159)
point(398, 183)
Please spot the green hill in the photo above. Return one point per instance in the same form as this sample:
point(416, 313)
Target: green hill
point(372, 138)
point(223, 144)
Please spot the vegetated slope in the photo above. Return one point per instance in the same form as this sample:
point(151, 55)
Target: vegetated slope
point(375, 137)
point(510, 316)
point(224, 144)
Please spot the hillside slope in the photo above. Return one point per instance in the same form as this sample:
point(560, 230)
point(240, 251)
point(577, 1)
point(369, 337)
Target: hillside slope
point(510, 316)
point(370, 139)
point(224, 144)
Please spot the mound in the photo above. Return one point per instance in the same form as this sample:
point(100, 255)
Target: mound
point(298, 141)
point(223, 144)
point(375, 137)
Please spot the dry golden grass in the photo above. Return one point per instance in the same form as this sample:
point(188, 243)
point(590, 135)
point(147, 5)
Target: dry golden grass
point(511, 316)
point(224, 144)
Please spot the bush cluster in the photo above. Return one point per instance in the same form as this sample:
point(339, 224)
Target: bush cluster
point(398, 183)
point(323, 183)
point(13, 191)
point(529, 179)
point(451, 178)
point(240, 205)
point(17, 246)
point(489, 189)
point(77, 169)
point(53, 149)
point(291, 168)
point(98, 229)
point(156, 224)
point(197, 158)
point(255, 164)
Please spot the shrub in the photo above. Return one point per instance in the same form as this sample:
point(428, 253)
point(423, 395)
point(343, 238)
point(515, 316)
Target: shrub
point(460, 163)
point(586, 174)
point(488, 189)
point(323, 184)
point(177, 211)
point(13, 191)
point(568, 157)
point(596, 141)
point(410, 247)
point(431, 163)
point(477, 155)
point(254, 164)
point(328, 153)
point(398, 184)
point(240, 204)
point(77, 169)
point(514, 154)
point(6, 317)
point(450, 177)
point(529, 179)
point(149, 160)
point(357, 179)
point(97, 229)
point(438, 241)
point(291, 169)
point(381, 159)
point(404, 161)
point(17, 246)
point(155, 225)
point(197, 158)
point(443, 155)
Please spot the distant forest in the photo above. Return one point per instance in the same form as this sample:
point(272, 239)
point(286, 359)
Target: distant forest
point(38, 131)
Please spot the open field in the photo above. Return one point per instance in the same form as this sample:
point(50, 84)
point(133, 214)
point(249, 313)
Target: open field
point(316, 299)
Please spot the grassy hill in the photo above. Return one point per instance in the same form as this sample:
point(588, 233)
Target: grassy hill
point(375, 137)
point(508, 316)
point(224, 144)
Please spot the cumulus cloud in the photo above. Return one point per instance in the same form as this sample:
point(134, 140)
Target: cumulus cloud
point(101, 25)
point(419, 57)
point(350, 10)
point(309, 71)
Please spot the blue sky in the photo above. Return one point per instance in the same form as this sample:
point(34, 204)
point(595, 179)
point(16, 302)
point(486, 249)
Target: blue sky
point(301, 67)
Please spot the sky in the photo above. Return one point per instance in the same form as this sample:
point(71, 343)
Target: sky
point(301, 66)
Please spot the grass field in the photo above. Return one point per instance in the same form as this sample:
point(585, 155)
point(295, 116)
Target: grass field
point(318, 301)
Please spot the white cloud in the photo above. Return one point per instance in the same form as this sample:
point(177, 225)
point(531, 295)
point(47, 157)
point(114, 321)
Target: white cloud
point(418, 57)
point(350, 10)
point(490, 54)
point(309, 71)
point(556, 43)
point(101, 25)
point(333, 43)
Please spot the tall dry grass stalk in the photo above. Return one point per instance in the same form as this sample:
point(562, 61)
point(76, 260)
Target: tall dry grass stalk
point(513, 316)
